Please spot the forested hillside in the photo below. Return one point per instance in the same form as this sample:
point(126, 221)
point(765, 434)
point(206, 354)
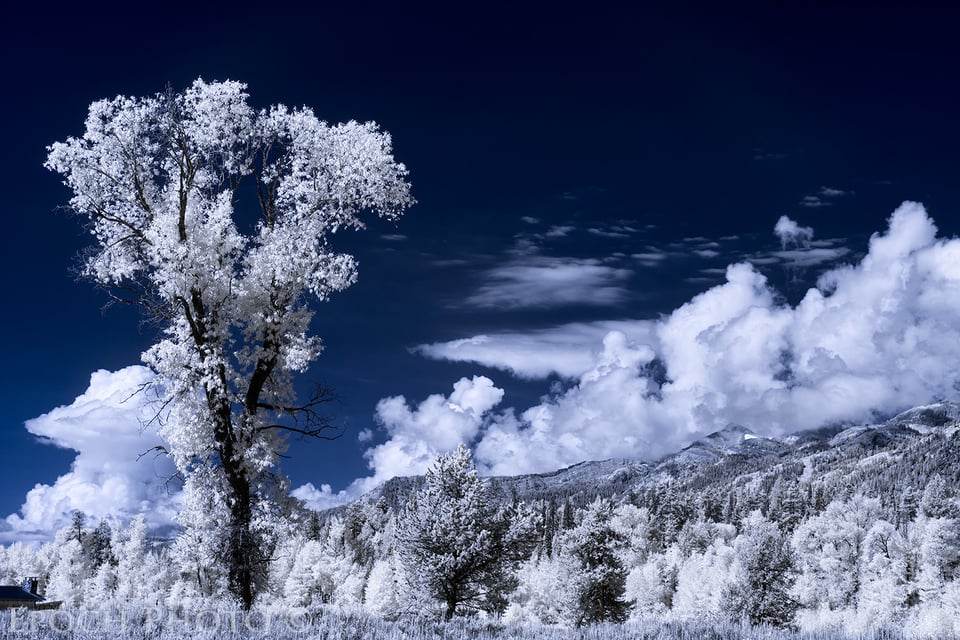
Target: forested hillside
point(846, 530)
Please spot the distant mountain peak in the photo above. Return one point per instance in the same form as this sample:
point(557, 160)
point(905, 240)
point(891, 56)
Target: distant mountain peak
point(730, 435)
point(927, 417)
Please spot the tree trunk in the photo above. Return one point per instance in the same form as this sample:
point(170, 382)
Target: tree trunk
point(242, 546)
point(242, 550)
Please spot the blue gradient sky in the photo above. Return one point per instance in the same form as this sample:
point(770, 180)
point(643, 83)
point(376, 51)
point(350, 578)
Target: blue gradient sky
point(536, 138)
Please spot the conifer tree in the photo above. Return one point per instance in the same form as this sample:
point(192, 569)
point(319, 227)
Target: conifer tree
point(455, 545)
point(760, 591)
point(600, 577)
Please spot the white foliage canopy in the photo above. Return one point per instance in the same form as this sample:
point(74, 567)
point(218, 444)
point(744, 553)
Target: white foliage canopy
point(160, 180)
point(163, 183)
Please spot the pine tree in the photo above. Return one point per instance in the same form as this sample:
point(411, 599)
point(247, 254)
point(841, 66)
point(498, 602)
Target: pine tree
point(96, 545)
point(141, 572)
point(935, 501)
point(907, 508)
point(79, 520)
point(760, 591)
point(455, 545)
point(600, 579)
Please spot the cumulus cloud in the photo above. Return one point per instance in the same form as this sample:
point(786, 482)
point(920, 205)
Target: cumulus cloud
point(791, 233)
point(798, 249)
point(868, 340)
point(108, 477)
point(437, 424)
point(415, 436)
point(551, 282)
point(324, 497)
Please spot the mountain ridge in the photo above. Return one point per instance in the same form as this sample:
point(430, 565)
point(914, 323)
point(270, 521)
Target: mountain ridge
point(732, 454)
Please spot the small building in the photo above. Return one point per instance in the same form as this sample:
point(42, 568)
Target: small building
point(13, 597)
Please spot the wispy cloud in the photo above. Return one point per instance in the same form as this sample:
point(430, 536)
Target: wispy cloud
point(824, 197)
point(581, 193)
point(567, 351)
point(830, 192)
point(559, 231)
point(620, 230)
point(814, 202)
point(768, 156)
point(811, 256)
point(652, 257)
point(546, 282)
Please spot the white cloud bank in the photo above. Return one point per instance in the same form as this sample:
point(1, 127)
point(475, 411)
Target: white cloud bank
point(416, 436)
point(109, 477)
point(869, 339)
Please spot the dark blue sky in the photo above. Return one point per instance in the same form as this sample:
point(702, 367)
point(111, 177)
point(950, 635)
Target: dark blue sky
point(677, 121)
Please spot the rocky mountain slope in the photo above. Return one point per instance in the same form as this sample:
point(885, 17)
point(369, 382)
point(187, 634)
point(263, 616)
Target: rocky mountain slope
point(886, 459)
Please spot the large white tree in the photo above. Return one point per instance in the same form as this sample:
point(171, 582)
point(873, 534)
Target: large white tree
point(161, 182)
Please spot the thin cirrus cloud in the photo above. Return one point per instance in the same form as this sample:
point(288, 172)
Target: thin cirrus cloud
point(559, 231)
point(544, 282)
point(811, 256)
point(653, 257)
point(870, 339)
point(619, 231)
point(824, 197)
point(566, 351)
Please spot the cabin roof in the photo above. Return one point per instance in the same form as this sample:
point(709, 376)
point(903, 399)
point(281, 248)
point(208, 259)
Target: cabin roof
point(18, 593)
